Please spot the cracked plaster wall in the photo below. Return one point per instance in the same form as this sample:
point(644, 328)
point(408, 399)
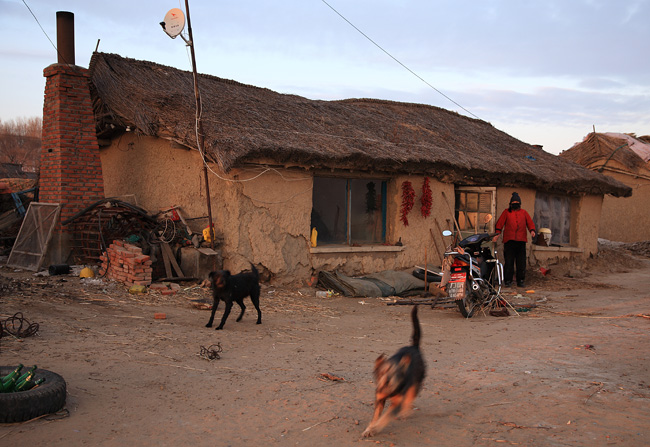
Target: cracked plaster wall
point(264, 215)
point(263, 219)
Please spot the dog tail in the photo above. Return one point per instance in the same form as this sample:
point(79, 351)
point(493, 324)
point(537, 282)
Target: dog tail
point(255, 272)
point(416, 327)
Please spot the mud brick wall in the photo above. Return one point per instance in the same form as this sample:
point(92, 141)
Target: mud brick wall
point(71, 171)
point(125, 263)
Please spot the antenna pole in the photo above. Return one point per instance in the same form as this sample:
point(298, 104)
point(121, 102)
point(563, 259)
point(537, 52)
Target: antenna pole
point(199, 123)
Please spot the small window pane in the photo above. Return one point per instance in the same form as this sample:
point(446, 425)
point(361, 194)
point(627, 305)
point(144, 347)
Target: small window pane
point(461, 200)
point(471, 220)
point(554, 212)
point(329, 214)
point(366, 211)
point(485, 203)
point(472, 201)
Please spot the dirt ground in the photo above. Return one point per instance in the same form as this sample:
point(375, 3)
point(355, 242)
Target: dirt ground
point(573, 371)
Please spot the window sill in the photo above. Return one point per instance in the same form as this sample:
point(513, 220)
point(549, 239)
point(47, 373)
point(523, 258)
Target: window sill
point(360, 249)
point(558, 249)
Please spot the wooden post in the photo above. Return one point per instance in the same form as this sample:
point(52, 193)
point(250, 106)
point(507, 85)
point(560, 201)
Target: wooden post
point(199, 125)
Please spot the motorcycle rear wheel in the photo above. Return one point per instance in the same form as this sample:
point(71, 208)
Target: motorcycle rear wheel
point(468, 304)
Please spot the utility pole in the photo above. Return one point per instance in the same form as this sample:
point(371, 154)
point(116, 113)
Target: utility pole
point(199, 122)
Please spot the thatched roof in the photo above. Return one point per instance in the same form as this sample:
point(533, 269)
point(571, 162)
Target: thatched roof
point(243, 123)
point(598, 149)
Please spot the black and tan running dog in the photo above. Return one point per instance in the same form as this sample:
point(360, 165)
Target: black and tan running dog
point(234, 288)
point(399, 379)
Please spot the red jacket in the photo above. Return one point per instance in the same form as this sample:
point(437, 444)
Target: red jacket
point(513, 224)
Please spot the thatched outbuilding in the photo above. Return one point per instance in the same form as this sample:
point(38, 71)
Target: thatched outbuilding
point(626, 158)
point(282, 165)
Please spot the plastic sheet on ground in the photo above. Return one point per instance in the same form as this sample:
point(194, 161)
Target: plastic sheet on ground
point(386, 283)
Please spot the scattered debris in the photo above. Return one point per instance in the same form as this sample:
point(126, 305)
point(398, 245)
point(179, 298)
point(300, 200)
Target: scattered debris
point(18, 326)
point(137, 289)
point(328, 376)
point(211, 352)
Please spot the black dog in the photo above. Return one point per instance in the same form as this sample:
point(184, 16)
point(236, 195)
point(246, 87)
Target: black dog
point(231, 288)
point(399, 379)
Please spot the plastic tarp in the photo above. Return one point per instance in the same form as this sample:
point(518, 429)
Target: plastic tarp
point(386, 283)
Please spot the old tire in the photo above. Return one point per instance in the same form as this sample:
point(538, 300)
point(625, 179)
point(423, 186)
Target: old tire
point(49, 397)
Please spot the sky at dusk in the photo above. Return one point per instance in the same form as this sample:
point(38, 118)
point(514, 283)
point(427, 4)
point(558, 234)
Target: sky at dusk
point(545, 72)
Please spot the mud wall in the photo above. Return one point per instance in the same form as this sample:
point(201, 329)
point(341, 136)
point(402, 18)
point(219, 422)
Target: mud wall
point(263, 216)
point(627, 219)
point(260, 215)
point(586, 210)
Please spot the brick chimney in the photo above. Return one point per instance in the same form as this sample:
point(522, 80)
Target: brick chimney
point(71, 171)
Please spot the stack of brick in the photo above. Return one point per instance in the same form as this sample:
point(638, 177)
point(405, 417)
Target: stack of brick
point(125, 263)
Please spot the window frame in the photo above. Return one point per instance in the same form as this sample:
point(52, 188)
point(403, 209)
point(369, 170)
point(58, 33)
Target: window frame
point(349, 212)
point(564, 230)
point(491, 190)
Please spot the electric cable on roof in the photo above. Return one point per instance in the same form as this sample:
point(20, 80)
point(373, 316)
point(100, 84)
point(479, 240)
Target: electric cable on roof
point(397, 60)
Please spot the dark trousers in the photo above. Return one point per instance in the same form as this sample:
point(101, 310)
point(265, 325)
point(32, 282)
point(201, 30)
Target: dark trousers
point(514, 254)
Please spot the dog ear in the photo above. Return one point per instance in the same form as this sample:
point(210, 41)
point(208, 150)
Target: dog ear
point(211, 275)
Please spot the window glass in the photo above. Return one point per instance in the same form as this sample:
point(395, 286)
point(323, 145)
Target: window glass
point(485, 203)
point(461, 200)
point(349, 211)
point(328, 215)
point(554, 212)
point(472, 202)
point(472, 205)
point(366, 211)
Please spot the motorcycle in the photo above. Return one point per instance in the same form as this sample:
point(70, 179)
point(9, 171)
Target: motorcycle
point(473, 275)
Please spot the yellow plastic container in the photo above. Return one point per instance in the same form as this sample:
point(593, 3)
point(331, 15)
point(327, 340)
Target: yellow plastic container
point(137, 289)
point(314, 237)
point(206, 234)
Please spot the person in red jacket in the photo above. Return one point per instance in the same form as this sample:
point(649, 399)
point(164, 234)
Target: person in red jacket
point(514, 222)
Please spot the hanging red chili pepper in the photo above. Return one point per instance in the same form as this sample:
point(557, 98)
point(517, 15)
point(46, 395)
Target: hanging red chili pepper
point(408, 198)
point(426, 199)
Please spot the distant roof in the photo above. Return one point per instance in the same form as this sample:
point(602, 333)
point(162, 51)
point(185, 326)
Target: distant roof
point(641, 148)
point(597, 149)
point(243, 123)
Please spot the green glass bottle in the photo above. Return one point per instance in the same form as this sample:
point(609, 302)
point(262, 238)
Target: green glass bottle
point(10, 385)
point(20, 385)
point(24, 376)
point(26, 384)
point(12, 374)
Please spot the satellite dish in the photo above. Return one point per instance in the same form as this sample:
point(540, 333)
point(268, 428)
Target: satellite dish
point(174, 22)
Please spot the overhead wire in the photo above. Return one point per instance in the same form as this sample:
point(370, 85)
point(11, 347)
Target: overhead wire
point(199, 114)
point(48, 37)
point(203, 157)
point(395, 59)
